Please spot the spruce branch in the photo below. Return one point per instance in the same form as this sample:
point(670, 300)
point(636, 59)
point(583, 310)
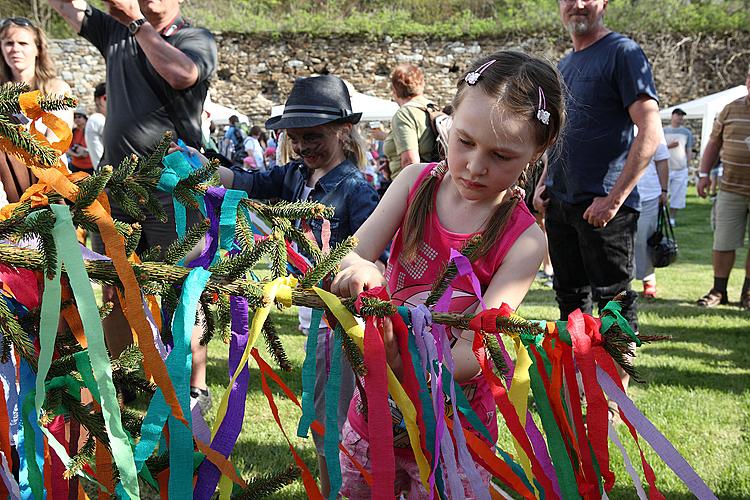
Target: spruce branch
point(237, 266)
point(450, 270)
point(278, 253)
point(266, 484)
point(306, 246)
point(329, 263)
point(353, 354)
point(180, 248)
point(492, 344)
point(15, 139)
point(274, 345)
point(85, 456)
point(13, 331)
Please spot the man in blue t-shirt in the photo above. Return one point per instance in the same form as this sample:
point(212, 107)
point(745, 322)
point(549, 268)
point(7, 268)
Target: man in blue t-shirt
point(588, 191)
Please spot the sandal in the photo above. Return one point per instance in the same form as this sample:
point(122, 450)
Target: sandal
point(713, 298)
point(649, 289)
point(745, 301)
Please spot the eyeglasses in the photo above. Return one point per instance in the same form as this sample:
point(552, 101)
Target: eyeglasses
point(18, 21)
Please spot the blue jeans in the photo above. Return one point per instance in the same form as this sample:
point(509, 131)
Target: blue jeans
point(591, 264)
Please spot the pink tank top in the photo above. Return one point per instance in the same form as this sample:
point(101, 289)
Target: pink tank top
point(410, 283)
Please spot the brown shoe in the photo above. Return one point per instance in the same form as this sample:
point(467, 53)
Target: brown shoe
point(745, 301)
point(713, 298)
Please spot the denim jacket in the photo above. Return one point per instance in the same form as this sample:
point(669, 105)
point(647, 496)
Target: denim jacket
point(343, 188)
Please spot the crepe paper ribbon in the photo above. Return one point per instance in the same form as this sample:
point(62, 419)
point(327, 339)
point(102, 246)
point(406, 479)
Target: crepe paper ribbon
point(614, 308)
point(355, 332)
point(311, 487)
point(181, 437)
point(560, 457)
point(29, 104)
point(584, 335)
point(309, 368)
point(13, 490)
point(279, 289)
point(30, 443)
point(179, 366)
point(395, 389)
point(8, 379)
point(511, 417)
point(223, 464)
point(612, 433)
point(67, 246)
point(228, 217)
point(464, 457)
point(495, 465)
point(22, 283)
point(569, 372)
point(176, 168)
point(605, 361)
point(379, 424)
point(228, 431)
point(421, 319)
point(333, 394)
point(214, 198)
point(656, 439)
point(5, 445)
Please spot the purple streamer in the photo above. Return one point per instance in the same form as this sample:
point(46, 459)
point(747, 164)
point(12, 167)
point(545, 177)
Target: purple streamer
point(656, 439)
point(229, 430)
point(214, 197)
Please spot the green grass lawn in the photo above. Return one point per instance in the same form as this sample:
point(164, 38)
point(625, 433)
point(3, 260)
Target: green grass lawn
point(697, 389)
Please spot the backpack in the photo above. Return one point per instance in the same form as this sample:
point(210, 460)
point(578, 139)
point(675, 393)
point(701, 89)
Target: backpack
point(440, 124)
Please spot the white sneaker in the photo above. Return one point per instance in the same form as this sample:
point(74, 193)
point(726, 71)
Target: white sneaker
point(672, 222)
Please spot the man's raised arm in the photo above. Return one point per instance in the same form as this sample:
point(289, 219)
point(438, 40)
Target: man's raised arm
point(71, 10)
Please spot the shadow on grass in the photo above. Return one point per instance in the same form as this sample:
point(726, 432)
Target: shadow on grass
point(623, 492)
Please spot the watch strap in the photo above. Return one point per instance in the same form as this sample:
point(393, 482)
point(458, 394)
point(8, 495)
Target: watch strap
point(134, 26)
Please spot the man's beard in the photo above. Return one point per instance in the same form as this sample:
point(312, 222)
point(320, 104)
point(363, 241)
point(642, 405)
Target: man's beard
point(583, 27)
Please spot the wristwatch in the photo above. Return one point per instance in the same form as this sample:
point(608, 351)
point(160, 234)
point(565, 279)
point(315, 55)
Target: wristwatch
point(134, 26)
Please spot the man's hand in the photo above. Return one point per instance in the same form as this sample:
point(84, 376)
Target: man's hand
point(601, 211)
point(663, 199)
point(673, 144)
point(703, 183)
point(124, 11)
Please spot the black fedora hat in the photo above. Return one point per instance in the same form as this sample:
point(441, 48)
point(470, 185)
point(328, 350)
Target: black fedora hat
point(314, 101)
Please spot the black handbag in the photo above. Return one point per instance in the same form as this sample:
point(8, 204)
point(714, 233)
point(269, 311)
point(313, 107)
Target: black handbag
point(662, 244)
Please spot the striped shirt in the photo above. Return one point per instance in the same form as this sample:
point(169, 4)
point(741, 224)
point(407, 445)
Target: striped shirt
point(732, 130)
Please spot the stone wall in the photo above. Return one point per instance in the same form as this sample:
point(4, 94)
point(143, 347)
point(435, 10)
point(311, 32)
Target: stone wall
point(255, 72)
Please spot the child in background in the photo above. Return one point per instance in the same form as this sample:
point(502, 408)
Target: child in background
point(319, 126)
point(508, 110)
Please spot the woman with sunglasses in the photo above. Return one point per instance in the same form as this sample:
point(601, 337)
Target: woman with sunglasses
point(25, 59)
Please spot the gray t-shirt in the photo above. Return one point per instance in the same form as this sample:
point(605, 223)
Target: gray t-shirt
point(141, 105)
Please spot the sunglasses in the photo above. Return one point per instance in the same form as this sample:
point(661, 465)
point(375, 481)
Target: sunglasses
point(18, 21)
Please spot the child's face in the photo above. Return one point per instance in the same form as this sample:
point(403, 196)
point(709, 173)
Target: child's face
point(319, 147)
point(488, 147)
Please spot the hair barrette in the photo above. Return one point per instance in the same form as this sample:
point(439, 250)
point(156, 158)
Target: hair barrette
point(473, 76)
point(542, 114)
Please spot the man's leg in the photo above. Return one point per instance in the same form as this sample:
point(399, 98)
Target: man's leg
point(572, 288)
point(608, 254)
point(731, 221)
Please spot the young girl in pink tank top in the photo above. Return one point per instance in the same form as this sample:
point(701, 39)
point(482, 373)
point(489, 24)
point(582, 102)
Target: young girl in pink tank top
point(509, 109)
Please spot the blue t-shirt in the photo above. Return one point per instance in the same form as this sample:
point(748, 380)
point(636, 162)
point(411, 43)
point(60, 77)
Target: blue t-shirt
point(603, 80)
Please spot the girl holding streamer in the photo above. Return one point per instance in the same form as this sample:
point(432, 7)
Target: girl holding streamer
point(320, 127)
point(509, 109)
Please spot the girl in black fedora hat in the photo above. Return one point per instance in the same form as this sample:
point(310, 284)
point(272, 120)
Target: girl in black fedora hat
point(320, 126)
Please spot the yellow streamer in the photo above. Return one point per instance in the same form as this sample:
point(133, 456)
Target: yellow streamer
point(518, 395)
point(355, 331)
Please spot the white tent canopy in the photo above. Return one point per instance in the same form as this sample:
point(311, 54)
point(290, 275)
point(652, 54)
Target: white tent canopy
point(372, 108)
point(706, 108)
point(220, 114)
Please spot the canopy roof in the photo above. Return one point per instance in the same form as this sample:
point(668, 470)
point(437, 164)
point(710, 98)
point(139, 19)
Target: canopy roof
point(706, 108)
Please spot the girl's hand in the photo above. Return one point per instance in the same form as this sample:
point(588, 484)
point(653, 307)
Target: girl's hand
point(356, 277)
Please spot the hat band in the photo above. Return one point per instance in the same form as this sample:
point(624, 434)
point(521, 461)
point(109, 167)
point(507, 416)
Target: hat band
point(315, 111)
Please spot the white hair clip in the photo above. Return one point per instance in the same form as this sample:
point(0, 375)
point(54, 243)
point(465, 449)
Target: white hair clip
point(542, 114)
point(473, 76)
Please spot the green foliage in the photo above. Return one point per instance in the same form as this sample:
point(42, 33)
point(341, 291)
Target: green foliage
point(457, 18)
